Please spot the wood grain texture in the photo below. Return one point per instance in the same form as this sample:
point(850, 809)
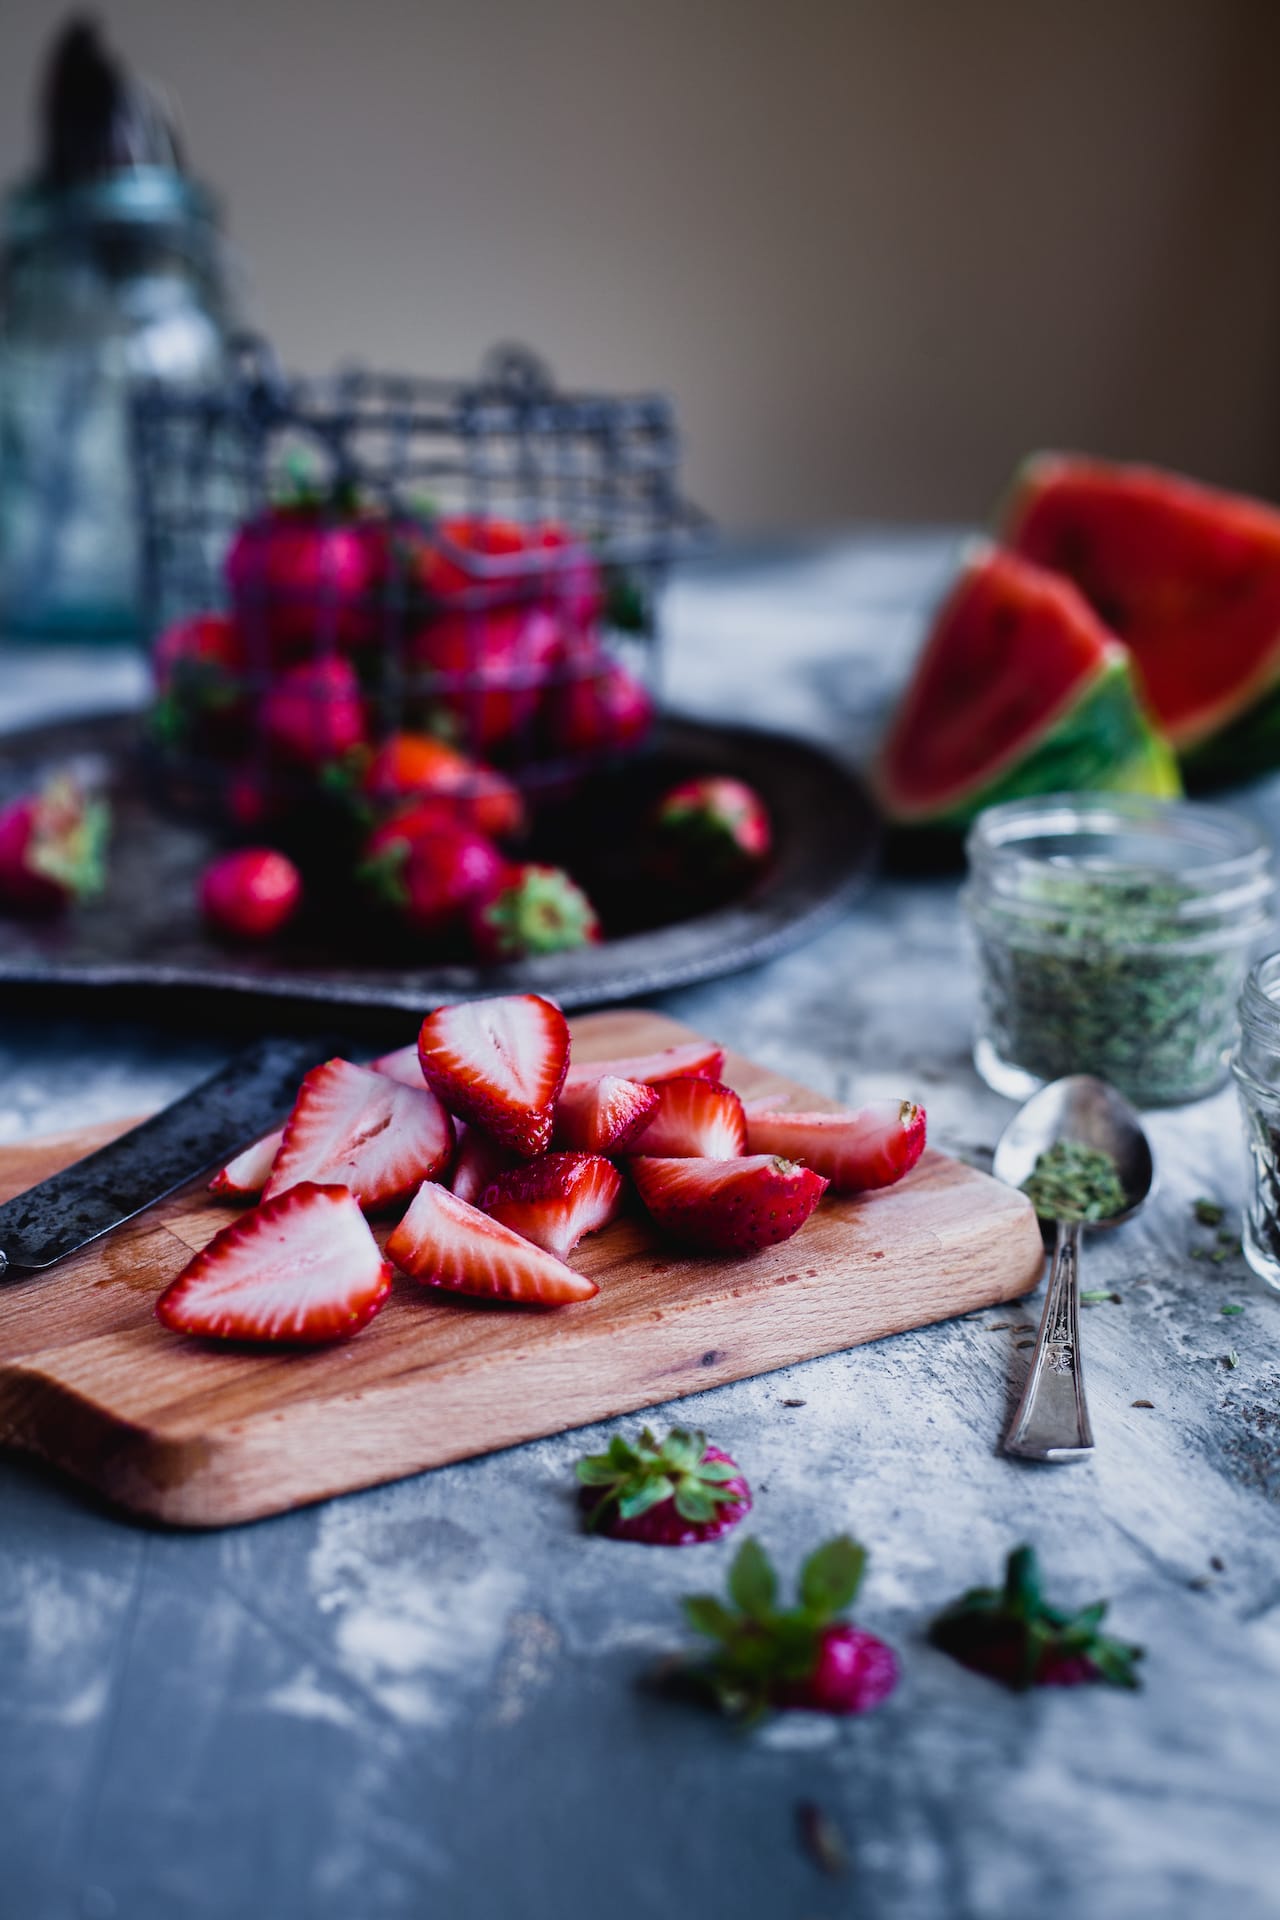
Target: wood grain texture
point(199, 1435)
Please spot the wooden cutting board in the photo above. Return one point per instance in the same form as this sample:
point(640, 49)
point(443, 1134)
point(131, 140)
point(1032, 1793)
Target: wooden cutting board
point(202, 1435)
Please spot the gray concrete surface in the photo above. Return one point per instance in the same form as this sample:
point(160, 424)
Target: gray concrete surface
point(425, 1701)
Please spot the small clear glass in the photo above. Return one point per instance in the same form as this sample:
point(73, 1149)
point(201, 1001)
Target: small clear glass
point(1113, 935)
point(1256, 1067)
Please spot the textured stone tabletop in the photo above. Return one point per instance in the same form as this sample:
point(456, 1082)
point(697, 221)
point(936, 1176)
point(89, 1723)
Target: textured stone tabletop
point(424, 1701)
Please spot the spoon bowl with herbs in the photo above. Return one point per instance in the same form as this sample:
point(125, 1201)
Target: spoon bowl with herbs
point(1078, 1150)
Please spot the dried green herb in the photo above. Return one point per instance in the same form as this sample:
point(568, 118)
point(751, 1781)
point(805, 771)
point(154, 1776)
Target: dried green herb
point(1232, 1359)
point(1231, 1308)
point(1098, 976)
point(1208, 1212)
point(1073, 1182)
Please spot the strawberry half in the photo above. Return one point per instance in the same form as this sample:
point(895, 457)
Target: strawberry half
point(555, 1199)
point(402, 1065)
point(604, 1116)
point(301, 1268)
point(698, 1118)
point(477, 1164)
point(698, 1058)
point(355, 1128)
point(728, 1206)
point(244, 1177)
point(856, 1151)
point(443, 1242)
point(499, 1064)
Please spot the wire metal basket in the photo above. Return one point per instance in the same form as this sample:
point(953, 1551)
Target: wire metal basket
point(332, 564)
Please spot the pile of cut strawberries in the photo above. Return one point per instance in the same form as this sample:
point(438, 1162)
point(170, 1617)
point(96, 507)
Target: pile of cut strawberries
point(499, 1155)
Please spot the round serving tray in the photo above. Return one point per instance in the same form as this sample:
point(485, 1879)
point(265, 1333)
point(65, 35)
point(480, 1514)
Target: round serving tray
point(145, 933)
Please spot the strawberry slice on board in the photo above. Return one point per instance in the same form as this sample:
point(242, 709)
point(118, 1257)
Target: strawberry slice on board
point(728, 1206)
point(604, 1116)
point(477, 1163)
point(355, 1128)
point(556, 1198)
point(700, 1058)
point(499, 1065)
point(244, 1177)
point(443, 1242)
point(302, 1268)
point(872, 1147)
point(699, 1119)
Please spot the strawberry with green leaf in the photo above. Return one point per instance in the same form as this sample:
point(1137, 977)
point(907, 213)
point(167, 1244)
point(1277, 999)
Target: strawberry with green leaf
point(1013, 1635)
point(669, 1493)
point(807, 1656)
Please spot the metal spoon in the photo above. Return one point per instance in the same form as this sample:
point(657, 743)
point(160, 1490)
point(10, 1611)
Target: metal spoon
point(1052, 1420)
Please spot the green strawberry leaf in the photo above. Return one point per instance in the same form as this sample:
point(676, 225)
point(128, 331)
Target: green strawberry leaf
point(753, 1584)
point(709, 1616)
point(650, 1492)
point(831, 1576)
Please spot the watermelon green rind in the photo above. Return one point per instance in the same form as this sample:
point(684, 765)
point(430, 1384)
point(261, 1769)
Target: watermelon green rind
point(1096, 737)
point(1243, 749)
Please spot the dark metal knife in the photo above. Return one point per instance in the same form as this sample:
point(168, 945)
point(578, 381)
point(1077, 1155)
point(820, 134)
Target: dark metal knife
point(245, 1099)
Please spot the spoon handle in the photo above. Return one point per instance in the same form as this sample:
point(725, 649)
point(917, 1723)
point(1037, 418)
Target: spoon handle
point(1052, 1421)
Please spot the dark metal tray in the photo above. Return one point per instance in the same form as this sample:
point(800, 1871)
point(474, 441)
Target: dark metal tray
point(145, 933)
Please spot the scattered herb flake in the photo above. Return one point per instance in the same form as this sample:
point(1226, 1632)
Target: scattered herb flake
point(1219, 1565)
point(795, 1403)
point(822, 1839)
point(1071, 1181)
point(1094, 1297)
point(1142, 1403)
point(1208, 1212)
point(1231, 1360)
point(1230, 1308)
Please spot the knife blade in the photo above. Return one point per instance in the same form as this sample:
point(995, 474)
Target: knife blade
point(234, 1106)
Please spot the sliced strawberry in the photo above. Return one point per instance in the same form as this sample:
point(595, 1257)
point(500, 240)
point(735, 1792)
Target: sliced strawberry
point(402, 1065)
point(856, 1151)
point(604, 1116)
point(477, 1164)
point(699, 1058)
point(499, 1064)
point(244, 1177)
point(303, 1267)
point(443, 1242)
point(556, 1198)
point(695, 1119)
point(359, 1129)
point(730, 1206)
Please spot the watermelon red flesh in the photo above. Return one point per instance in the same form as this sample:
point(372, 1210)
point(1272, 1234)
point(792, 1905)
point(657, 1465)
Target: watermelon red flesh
point(1020, 689)
point(1188, 577)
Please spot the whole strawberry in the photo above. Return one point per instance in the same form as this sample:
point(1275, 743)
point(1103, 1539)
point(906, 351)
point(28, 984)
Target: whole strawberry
point(532, 909)
point(600, 709)
point(428, 868)
point(808, 1656)
point(306, 573)
point(416, 766)
point(670, 1493)
point(52, 846)
point(250, 894)
point(711, 833)
point(198, 667)
point(314, 713)
point(1013, 1635)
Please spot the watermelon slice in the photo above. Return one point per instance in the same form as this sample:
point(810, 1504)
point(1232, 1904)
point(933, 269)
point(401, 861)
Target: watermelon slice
point(1188, 577)
point(1020, 689)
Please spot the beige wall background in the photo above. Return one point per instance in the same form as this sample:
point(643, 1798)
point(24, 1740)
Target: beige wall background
point(876, 251)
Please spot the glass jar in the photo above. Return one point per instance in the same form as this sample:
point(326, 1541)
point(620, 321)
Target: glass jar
point(100, 284)
point(1113, 934)
point(1256, 1066)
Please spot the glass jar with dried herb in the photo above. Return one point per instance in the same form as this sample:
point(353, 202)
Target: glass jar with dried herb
point(1256, 1066)
point(1113, 934)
